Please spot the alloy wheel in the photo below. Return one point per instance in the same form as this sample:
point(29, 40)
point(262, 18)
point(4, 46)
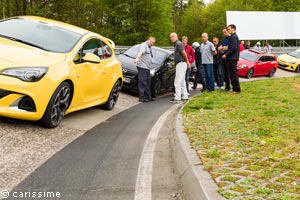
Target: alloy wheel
point(60, 105)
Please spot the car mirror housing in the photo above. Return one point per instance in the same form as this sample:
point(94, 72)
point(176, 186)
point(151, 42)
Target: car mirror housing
point(259, 62)
point(90, 57)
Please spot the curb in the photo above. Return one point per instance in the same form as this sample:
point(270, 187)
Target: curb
point(196, 182)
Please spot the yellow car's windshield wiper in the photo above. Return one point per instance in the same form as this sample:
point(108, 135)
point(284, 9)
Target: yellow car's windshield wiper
point(24, 42)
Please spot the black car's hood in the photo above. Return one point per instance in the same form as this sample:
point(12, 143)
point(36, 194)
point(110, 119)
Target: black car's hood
point(128, 63)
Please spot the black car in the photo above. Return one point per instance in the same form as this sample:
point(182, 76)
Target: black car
point(162, 70)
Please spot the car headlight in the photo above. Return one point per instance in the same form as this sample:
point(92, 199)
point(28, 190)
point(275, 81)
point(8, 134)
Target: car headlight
point(292, 62)
point(28, 74)
point(152, 72)
point(243, 66)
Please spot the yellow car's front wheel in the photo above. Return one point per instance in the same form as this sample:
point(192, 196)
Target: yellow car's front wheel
point(113, 97)
point(298, 69)
point(57, 107)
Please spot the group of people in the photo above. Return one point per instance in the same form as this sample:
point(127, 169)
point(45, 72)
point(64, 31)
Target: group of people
point(267, 49)
point(215, 62)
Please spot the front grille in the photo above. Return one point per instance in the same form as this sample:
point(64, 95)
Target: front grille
point(282, 65)
point(4, 93)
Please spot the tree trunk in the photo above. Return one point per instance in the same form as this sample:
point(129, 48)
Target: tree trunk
point(8, 8)
point(3, 9)
point(24, 7)
point(18, 8)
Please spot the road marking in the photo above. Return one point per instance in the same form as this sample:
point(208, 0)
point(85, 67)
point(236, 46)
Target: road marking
point(143, 184)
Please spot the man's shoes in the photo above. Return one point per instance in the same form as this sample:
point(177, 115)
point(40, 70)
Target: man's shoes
point(211, 90)
point(203, 90)
point(227, 90)
point(144, 100)
point(194, 88)
point(217, 88)
point(175, 101)
point(151, 99)
point(188, 94)
point(184, 100)
point(222, 88)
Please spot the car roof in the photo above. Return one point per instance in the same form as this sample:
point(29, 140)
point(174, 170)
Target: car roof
point(63, 25)
point(260, 53)
point(155, 47)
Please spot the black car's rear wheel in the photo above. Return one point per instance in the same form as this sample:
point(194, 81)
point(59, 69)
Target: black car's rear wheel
point(113, 97)
point(272, 72)
point(250, 73)
point(156, 89)
point(57, 107)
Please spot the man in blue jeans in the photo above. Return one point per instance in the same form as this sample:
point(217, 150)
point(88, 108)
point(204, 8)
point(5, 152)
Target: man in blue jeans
point(207, 52)
point(143, 62)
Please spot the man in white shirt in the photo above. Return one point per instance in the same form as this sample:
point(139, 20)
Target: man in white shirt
point(268, 49)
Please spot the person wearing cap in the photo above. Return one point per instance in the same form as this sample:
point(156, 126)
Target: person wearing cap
point(257, 47)
point(200, 71)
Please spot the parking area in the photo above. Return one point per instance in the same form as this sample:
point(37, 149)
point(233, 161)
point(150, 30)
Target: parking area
point(24, 146)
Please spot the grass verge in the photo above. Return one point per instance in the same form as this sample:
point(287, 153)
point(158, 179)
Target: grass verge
point(250, 142)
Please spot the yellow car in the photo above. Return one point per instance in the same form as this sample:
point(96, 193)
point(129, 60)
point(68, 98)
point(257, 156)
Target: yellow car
point(290, 61)
point(49, 69)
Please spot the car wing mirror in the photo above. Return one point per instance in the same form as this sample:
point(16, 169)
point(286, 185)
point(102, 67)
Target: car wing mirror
point(90, 57)
point(259, 62)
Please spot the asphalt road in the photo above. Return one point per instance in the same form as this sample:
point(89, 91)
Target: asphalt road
point(102, 163)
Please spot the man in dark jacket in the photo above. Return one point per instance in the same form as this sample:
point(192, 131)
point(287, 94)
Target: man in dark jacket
point(199, 76)
point(232, 55)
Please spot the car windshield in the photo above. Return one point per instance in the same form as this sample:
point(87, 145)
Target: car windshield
point(159, 56)
point(295, 54)
point(39, 34)
point(248, 56)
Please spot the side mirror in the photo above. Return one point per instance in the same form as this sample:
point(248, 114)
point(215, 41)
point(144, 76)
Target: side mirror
point(90, 57)
point(259, 62)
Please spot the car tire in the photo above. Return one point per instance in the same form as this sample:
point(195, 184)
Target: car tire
point(156, 89)
point(249, 73)
point(298, 69)
point(57, 106)
point(272, 72)
point(113, 97)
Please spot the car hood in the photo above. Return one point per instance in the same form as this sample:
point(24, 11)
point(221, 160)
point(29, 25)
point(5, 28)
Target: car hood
point(244, 62)
point(128, 63)
point(14, 54)
point(288, 58)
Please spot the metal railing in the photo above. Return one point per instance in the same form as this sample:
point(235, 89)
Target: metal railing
point(277, 50)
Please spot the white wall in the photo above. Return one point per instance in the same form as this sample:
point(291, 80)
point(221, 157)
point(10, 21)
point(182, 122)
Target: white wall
point(265, 25)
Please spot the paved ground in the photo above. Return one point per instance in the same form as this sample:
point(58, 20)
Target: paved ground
point(24, 146)
point(103, 163)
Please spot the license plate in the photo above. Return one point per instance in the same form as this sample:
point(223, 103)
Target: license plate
point(126, 80)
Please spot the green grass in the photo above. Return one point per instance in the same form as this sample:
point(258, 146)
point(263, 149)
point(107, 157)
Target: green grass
point(257, 129)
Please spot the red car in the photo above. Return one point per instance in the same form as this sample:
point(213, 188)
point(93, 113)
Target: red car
point(253, 63)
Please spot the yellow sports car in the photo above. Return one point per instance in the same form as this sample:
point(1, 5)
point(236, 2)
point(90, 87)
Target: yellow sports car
point(290, 61)
point(49, 69)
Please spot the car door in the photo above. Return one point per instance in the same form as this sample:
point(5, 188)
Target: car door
point(91, 77)
point(169, 71)
point(271, 64)
point(260, 65)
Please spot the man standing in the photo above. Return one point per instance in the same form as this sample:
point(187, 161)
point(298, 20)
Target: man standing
point(200, 72)
point(268, 49)
point(242, 48)
point(207, 52)
point(257, 47)
point(182, 64)
point(143, 62)
point(191, 57)
point(248, 45)
point(223, 48)
point(218, 69)
point(232, 55)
